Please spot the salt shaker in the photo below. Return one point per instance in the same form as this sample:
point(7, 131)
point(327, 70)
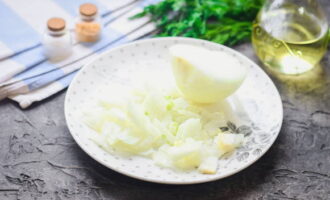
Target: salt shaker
point(88, 25)
point(57, 43)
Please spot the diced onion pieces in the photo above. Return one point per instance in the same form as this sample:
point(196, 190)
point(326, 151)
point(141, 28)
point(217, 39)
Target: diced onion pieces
point(166, 128)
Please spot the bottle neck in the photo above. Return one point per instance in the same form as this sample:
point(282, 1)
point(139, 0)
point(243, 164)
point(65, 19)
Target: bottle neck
point(56, 33)
point(88, 18)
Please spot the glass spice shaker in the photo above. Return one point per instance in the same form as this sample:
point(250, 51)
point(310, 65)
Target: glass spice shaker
point(88, 25)
point(57, 43)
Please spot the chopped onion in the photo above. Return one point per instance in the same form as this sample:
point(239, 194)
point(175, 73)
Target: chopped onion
point(164, 126)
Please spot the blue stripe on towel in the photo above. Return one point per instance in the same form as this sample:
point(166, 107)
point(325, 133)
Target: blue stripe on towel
point(39, 81)
point(12, 36)
point(36, 70)
point(30, 58)
point(65, 81)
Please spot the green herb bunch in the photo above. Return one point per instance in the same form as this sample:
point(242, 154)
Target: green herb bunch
point(223, 21)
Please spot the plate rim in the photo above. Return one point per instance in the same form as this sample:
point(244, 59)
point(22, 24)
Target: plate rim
point(162, 181)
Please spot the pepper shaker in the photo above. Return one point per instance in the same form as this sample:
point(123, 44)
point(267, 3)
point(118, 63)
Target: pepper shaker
point(88, 25)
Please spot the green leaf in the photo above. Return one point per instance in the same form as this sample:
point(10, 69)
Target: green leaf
point(222, 21)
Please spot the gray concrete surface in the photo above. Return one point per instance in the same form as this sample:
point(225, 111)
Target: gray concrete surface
point(40, 160)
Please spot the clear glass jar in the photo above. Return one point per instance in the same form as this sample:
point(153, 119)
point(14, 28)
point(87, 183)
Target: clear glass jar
point(88, 24)
point(57, 43)
point(290, 36)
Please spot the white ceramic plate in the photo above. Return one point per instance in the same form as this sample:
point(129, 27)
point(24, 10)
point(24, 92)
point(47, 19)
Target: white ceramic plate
point(258, 95)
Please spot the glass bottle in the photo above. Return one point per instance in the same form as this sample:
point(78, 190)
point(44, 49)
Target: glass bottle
point(290, 36)
point(57, 43)
point(88, 25)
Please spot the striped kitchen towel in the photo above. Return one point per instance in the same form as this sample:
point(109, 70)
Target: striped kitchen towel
point(26, 76)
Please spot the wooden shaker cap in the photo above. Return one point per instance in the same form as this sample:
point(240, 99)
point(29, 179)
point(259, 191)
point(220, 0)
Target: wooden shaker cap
point(88, 9)
point(56, 24)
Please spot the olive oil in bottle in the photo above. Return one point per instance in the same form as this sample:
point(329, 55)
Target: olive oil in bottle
point(290, 39)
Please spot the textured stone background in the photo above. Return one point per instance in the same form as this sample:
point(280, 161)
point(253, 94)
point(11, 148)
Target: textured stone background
point(40, 160)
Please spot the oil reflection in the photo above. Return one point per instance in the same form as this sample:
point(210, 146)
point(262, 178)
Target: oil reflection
point(312, 80)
